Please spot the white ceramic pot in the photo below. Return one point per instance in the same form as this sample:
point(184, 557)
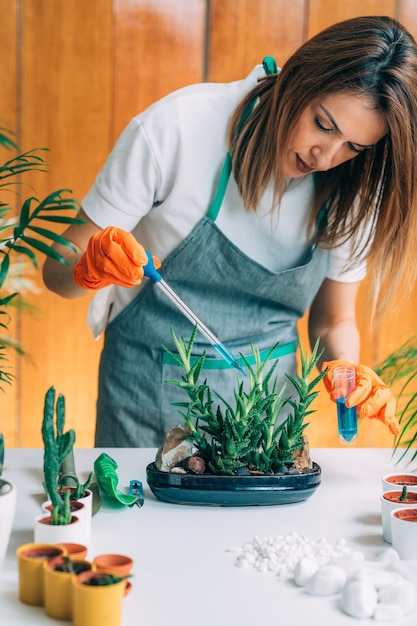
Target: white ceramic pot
point(80, 510)
point(396, 480)
point(45, 532)
point(87, 500)
point(389, 502)
point(404, 532)
point(8, 498)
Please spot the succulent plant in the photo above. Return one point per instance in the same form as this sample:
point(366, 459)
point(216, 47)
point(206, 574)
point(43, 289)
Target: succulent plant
point(249, 433)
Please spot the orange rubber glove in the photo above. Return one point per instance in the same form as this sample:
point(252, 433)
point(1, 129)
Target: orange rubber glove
point(113, 257)
point(371, 397)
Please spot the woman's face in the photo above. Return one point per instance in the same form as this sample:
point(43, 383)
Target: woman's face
point(333, 129)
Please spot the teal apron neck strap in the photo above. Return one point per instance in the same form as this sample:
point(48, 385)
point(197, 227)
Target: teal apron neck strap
point(270, 67)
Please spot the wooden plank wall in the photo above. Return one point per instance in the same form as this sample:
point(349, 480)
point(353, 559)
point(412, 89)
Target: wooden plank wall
point(74, 73)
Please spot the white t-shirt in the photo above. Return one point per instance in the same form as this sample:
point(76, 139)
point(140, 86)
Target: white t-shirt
point(161, 177)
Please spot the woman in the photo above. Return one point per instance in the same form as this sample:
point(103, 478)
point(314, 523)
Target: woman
point(263, 198)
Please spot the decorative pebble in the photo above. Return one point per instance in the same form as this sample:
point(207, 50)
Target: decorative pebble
point(378, 577)
point(304, 569)
point(386, 613)
point(350, 563)
point(281, 554)
point(401, 594)
point(407, 569)
point(387, 556)
point(327, 581)
point(359, 599)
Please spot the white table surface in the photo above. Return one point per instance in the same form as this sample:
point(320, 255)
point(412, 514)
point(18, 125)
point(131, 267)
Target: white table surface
point(183, 573)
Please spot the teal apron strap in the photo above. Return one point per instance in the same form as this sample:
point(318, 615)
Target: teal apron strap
point(270, 67)
point(221, 364)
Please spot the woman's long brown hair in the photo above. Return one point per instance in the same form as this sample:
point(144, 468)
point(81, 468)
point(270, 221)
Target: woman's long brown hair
point(373, 57)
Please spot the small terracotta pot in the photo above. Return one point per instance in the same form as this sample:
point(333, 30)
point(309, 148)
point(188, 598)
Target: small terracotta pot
point(114, 563)
point(397, 480)
point(58, 587)
point(404, 532)
point(74, 550)
point(96, 605)
point(31, 557)
point(390, 500)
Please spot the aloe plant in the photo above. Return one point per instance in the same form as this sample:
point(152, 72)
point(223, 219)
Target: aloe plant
point(399, 371)
point(29, 232)
point(249, 433)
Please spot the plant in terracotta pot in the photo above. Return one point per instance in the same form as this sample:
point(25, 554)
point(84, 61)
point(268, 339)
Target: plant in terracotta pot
point(97, 598)
point(391, 500)
point(57, 574)
point(249, 440)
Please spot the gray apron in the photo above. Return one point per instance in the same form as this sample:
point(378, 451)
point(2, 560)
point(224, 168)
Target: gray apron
point(237, 298)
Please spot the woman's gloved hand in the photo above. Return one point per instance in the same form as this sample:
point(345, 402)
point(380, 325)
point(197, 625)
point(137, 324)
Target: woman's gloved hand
point(113, 257)
point(371, 397)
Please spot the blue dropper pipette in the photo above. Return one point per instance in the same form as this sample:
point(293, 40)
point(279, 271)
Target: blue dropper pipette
point(155, 276)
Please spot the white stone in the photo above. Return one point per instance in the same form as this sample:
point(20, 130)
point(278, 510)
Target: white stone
point(359, 599)
point(327, 581)
point(378, 577)
point(407, 569)
point(350, 563)
point(304, 569)
point(387, 613)
point(387, 556)
point(401, 594)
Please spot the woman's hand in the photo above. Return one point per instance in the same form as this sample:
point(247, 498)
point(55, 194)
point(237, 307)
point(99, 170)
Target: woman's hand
point(113, 257)
point(371, 397)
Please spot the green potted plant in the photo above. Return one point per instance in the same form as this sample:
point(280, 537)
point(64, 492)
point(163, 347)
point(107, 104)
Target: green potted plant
point(97, 598)
point(57, 575)
point(248, 443)
point(399, 371)
point(61, 525)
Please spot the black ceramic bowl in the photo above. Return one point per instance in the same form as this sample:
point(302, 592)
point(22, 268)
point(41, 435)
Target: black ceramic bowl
point(213, 490)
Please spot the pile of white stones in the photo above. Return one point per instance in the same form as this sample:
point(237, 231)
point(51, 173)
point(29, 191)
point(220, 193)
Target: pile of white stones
point(384, 588)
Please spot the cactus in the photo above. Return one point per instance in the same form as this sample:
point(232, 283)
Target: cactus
point(57, 446)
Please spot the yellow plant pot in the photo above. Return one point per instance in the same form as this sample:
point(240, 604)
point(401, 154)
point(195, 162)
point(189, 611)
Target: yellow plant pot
point(31, 557)
point(99, 605)
point(57, 586)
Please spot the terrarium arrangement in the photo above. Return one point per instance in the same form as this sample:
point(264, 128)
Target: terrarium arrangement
point(240, 444)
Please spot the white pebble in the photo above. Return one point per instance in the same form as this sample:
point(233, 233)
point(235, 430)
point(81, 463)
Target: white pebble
point(350, 563)
point(327, 581)
point(304, 569)
point(378, 577)
point(359, 599)
point(388, 555)
point(386, 613)
point(401, 594)
point(407, 569)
